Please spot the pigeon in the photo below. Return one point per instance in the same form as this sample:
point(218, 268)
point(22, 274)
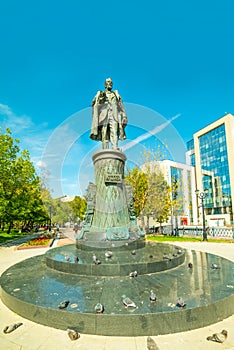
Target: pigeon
point(214, 266)
point(153, 297)
point(190, 265)
point(174, 254)
point(12, 327)
point(133, 252)
point(166, 257)
point(76, 259)
point(73, 335)
point(151, 345)
point(218, 337)
point(128, 302)
point(63, 304)
point(108, 254)
point(99, 308)
point(95, 260)
point(180, 303)
point(133, 274)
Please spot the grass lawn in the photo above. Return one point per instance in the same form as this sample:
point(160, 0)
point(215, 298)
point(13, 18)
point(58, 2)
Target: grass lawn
point(4, 237)
point(162, 238)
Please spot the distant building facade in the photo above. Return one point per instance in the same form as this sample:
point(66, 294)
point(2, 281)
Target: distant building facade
point(181, 179)
point(211, 152)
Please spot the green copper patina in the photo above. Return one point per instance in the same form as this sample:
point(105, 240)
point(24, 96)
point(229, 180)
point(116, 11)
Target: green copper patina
point(109, 117)
point(110, 211)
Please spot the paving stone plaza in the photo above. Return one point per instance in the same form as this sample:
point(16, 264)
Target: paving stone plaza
point(35, 336)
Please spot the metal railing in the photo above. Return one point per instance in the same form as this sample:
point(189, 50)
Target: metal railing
point(195, 231)
point(216, 232)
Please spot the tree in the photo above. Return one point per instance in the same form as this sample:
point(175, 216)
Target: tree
point(150, 189)
point(20, 199)
point(177, 202)
point(137, 178)
point(78, 206)
point(61, 212)
point(158, 201)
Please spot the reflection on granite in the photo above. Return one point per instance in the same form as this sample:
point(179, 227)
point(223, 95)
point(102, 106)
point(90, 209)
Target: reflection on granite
point(148, 259)
point(207, 292)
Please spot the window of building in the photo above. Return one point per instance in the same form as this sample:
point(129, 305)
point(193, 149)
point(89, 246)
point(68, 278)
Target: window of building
point(177, 180)
point(192, 159)
point(190, 145)
point(213, 155)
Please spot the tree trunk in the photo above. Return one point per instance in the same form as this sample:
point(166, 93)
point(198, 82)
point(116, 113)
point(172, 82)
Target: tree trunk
point(10, 227)
point(142, 221)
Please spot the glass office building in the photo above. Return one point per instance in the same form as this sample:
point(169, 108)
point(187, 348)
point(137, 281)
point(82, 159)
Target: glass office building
point(212, 153)
point(181, 179)
point(177, 188)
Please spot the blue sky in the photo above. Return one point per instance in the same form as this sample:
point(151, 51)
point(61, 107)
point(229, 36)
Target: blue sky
point(171, 61)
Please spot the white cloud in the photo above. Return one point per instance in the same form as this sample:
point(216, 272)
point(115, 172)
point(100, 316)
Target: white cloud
point(33, 137)
point(6, 110)
point(41, 164)
point(14, 122)
point(65, 152)
point(49, 148)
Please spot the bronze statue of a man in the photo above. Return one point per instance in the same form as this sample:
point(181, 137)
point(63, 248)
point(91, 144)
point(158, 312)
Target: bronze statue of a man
point(109, 117)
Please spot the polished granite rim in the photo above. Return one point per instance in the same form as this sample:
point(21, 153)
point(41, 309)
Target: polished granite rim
point(34, 291)
point(100, 242)
point(153, 257)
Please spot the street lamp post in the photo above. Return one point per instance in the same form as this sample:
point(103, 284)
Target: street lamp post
point(50, 216)
point(202, 196)
point(174, 198)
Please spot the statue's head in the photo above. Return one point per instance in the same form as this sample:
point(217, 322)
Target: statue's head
point(108, 84)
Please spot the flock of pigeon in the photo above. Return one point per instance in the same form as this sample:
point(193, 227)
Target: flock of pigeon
point(73, 258)
point(128, 303)
point(151, 344)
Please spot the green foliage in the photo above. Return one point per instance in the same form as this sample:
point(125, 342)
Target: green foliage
point(158, 201)
point(177, 196)
point(24, 198)
point(138, 180)
point(61, 211)
point(20, 198)
point(78, 206)
point(150, 189)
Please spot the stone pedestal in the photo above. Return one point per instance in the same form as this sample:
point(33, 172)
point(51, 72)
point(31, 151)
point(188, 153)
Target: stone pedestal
point(111, 209)
point(109, 214)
